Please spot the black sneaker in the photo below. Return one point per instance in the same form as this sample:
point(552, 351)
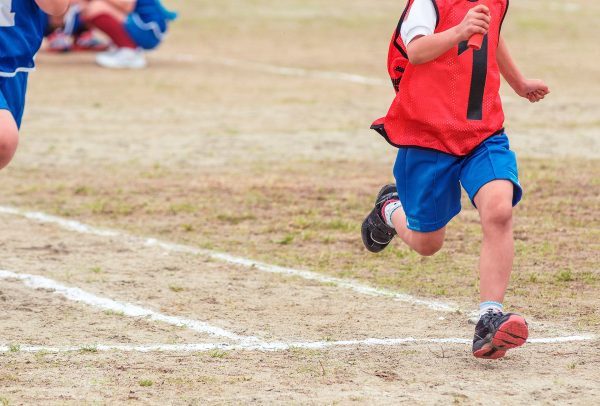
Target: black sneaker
point(376, 234)
point(496, 333)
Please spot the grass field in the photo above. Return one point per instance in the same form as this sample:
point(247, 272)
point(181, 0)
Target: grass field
point(245, 137)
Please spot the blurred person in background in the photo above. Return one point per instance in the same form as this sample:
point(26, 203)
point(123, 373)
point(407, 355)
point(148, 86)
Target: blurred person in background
point(67, 32)
point(134, 26)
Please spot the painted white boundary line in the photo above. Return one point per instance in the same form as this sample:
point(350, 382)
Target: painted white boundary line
point(356, 286)
point(350, 284)
point(274, 346)
point(131, 310)
point(247, 343)
point(280, 70)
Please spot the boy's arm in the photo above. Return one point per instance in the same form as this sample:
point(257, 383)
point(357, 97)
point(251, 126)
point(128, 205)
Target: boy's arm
point(532, 89)
point(53, 7)
point(423, 49)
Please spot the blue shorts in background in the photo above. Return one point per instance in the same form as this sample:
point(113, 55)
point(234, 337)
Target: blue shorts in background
point(12, 95)
point(148, 23)
point(429, 182)
point(146, 35)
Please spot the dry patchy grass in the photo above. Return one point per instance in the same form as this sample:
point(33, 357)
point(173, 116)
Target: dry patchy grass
point(293, 218)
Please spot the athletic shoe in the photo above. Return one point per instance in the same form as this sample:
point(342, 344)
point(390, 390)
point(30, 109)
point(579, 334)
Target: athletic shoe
point(58, 41)
point(376, 234)
point(496, 333)
point(122, 58)
point(87, 41)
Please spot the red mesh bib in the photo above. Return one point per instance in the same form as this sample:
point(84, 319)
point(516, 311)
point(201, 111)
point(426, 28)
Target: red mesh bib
point(452, 103)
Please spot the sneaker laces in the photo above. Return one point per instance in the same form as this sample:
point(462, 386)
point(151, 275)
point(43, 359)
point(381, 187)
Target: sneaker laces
point(488, 321)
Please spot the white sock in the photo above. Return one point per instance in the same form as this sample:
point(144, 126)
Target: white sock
point(389, 210)
point(485, 307)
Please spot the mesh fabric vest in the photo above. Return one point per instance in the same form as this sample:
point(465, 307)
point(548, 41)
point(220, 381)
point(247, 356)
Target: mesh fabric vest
point(451, 104)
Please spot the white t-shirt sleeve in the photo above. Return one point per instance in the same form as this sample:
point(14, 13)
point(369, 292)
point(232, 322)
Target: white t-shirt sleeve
point(421, 20)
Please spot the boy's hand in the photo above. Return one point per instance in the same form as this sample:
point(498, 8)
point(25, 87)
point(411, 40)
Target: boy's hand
point(477, 21)
point(533, 90)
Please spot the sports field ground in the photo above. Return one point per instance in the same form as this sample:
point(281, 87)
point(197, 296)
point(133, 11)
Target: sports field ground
point(190, 234)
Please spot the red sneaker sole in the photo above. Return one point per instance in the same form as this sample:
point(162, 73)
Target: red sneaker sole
point(512, 333)
point(488, 351)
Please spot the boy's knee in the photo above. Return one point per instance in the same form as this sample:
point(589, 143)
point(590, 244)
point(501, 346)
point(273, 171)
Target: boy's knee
point(429, 247)
point(497, 213)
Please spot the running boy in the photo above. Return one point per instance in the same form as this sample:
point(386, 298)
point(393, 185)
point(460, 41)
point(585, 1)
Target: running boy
point(447, 122)
point(21, 34)
point(132, 25)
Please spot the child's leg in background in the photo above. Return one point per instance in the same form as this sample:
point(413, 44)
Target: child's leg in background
point(99, 7)
point(12, 105)
point(495, 204)
point(9, 136)
point(110, 20)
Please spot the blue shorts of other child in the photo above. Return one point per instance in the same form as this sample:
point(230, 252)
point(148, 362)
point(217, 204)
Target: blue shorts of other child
point(12, 95)
point(429, 181)
point(145, 35)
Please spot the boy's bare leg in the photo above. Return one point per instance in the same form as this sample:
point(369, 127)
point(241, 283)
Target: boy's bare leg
point(9, 137)
point(496, 332)
point(494, 202)
point(425, 244)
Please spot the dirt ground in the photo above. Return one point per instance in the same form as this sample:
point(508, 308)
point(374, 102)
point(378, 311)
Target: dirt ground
point(248, 302)
point(218, 145)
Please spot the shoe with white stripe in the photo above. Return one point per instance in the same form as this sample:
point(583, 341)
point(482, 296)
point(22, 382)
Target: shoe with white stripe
point(376, 234)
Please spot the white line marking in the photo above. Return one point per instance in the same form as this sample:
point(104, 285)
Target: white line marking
point(353, 285)
point(131, 310)
point(272, 347)
point(350, 284)
point(280, 70)
point(248, 343)
point(299, 72)
point(565, 339)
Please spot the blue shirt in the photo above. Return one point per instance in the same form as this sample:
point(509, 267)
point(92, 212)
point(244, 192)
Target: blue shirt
point(21, 34)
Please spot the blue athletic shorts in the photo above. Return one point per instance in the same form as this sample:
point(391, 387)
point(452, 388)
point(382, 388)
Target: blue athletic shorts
point(429, 181)
point(12, 95)
point(145, 35)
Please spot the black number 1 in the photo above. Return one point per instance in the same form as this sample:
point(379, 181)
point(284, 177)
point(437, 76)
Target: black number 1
point(478, 78)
